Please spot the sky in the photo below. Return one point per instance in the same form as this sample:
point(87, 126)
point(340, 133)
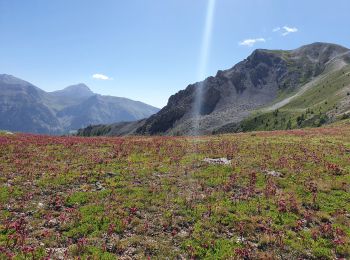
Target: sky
point(147, 50)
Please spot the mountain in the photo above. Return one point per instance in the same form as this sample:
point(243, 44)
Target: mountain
point(75, 91)
point(105, 109)
point(26, 108)
point(22, 107)
point(271, 89)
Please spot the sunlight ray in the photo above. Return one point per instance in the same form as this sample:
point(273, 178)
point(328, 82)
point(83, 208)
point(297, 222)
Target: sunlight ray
point(203, 63)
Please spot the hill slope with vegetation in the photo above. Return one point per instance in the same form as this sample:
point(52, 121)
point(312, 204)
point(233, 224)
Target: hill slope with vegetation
point(325, 100)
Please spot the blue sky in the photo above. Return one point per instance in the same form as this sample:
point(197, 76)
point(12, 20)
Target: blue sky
point(150, 49)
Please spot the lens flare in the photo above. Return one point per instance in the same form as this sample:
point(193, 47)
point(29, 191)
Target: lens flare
point(203, 62)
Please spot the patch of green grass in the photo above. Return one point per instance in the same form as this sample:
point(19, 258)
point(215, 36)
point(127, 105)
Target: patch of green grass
point(78, 198)
point(91, 222)
point(6, 193)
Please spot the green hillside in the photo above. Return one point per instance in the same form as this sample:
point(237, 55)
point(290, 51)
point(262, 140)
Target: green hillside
point(325, 101)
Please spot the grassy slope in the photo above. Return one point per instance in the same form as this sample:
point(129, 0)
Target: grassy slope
point(154, 197)
point(312, 107)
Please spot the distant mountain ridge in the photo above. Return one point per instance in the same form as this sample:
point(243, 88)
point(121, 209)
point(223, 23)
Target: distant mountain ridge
point(271, 89)
point(26, 108)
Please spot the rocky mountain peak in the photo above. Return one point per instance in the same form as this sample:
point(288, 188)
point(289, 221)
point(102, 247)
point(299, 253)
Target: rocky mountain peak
point(79, 90)
point(79, 86)
point(320, 52)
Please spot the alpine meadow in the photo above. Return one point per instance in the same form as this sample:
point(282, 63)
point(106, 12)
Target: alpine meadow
point(210, 129)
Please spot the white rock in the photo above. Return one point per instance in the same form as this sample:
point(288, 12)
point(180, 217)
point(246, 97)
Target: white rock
point(240, 240)
point(223, 161)
point(57, 253)
point(273, 173)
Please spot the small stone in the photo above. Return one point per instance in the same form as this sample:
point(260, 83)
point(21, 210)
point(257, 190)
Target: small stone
point(274, 173)
point(57, 253)
point(111, 174)
point(252, 245)
point(183, 234)
point(223, 161)
point(52, 223)
point(99, 186)
point(240, 240)
point(110, 247)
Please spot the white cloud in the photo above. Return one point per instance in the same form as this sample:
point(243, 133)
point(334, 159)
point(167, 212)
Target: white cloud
point(287, 30)
point(276, 29)
point(251, 42)
point(101, 77)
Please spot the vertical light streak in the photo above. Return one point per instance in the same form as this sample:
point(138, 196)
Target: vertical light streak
point(203, 63)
